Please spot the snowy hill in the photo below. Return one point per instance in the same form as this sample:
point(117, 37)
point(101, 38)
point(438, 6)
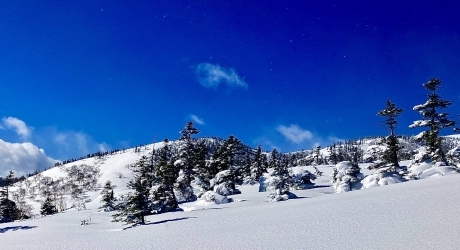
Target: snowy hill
point(411, 215)
point(389, 217)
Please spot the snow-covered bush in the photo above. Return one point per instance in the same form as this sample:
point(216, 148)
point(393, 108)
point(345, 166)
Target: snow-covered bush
point(182, 190)
point(211, 197)
point(273, 185)
point(223, 183)
point(454, 156)
point(302, 179)
point(381, 179)
point(347, 177)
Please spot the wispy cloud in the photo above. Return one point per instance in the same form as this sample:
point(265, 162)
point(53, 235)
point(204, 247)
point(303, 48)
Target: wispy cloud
point(294, 133)
point(196, 119)
point(22, 158)
point(266, 143)
point(18, 126)
point(71, 142)
point(212, 75)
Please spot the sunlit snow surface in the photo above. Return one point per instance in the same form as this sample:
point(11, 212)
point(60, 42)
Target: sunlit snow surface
point(418, 214)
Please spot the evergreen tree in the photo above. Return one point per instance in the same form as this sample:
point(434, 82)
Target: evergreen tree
point(187, 161)
point(257, 168)
point(317, 156)
point(162, 193)
point(390, 155)
point(273, 162)
point(246, 169)
point(203, 174)
point(107, 197)
point(223, 166)
point(8, 210)
point(333, 157)
point(433, 120)
point(233, 148)
point(225, 159)
point(48, 207)
point(137, 204)
point(280, 170)
point(9, 179)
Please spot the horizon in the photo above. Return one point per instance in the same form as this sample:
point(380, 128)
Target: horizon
point(93, 76)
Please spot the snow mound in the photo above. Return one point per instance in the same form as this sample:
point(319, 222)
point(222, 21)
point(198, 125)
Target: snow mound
point(210, 198)
point(282, 196)
point(381, 179)
point(426, 170)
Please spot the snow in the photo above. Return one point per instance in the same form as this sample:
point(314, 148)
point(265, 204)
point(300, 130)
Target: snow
point(211, 197)
point(410, 215)
point(383, 179)
point(420, 123)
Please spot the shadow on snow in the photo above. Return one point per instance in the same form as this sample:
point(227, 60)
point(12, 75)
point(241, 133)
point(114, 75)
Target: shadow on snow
point(161, 222)
point(6, 229)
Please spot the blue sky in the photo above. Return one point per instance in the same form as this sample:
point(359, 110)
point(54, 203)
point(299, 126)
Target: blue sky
point(288, 74)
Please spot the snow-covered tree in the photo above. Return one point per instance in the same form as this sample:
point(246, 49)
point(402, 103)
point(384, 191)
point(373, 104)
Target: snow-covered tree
point(8, 209)
point(244, 173)
point(222, 161)
point(317, 156)
point(23, 208)
point(203, 174)
point(8, 181)
point(390, 155)
point(333, 156)
point(346, 177)
point(137, 204)
point(48, 207)
point(257, 167)
point(107, 198)
point(434, 121)
point(278, 184)
point(186, 163)
point(162, 192)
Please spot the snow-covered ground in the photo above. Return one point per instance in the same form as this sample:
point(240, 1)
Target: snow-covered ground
point(411, 215)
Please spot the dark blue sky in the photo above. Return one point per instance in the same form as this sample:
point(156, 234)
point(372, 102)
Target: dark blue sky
point(288, 74)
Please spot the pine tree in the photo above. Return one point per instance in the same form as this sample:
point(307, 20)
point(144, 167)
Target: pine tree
point(433, 120)
point(137, 204)
point(8, 181)
point(162, 193)
point(246, 169)
point(280, 170)
point(333, 157)
point(8, 209)
point(187, 161)
point(274, 162)
point(224, 165)
point(48, 207)
point(107, 197)
point(390, 155)
point(257, 168)
point(317, 156)
point(203, 175)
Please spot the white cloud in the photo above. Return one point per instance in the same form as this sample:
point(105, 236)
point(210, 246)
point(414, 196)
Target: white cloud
point(22, 158)
point(265, 143)
point(196, 119)
point(19, 126)
point(103, 147)
point(294, 133)
point(212, 75)
point(71, 143)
